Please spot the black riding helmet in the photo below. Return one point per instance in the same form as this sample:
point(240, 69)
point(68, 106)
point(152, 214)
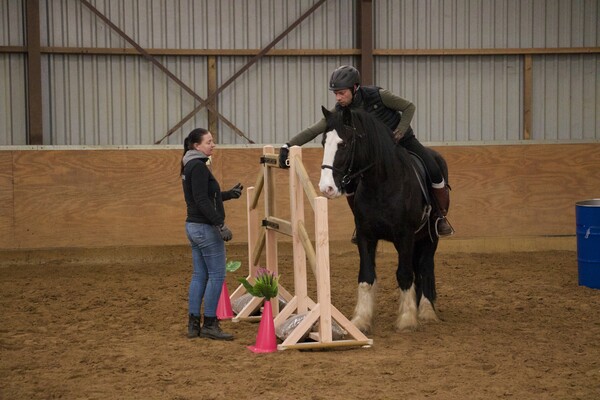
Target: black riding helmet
point(344, 77)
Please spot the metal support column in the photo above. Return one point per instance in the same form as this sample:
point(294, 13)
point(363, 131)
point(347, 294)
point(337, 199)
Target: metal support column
point(365, 40)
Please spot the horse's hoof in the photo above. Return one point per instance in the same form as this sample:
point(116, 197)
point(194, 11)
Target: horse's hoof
point(427, 312)
point(407, 324)
point(362, 325)
point(428, 316)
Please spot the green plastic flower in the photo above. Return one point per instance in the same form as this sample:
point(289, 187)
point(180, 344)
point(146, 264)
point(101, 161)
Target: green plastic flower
point(265, 285)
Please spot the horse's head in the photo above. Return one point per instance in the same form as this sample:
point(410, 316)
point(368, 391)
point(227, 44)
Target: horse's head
point(339, 142)
point(356, 143)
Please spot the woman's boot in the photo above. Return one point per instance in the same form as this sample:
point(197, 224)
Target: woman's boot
point(212, 330)
point(193, 326)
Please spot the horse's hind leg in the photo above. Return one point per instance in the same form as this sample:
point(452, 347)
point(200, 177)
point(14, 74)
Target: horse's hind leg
point(425, 277)
point(427, 311)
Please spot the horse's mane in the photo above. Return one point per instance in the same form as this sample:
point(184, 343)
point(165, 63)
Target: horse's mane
point(379, 146)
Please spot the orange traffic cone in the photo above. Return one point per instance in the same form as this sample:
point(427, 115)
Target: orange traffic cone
point(224, 310)
point(266, 341)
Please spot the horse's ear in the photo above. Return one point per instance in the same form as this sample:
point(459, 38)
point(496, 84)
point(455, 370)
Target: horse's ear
point(326, 112)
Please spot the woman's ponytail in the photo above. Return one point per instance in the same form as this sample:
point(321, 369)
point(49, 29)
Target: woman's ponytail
point(186, 143)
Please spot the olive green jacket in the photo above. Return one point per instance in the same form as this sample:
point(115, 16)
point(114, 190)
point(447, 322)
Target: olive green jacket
point(390, 100)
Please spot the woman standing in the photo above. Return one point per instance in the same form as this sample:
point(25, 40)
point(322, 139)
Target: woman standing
point(206, 231)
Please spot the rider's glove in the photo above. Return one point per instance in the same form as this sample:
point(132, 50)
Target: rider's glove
point(283, 156)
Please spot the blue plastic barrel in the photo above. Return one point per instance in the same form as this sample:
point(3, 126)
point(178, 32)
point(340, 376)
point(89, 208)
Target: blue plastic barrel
point(587, 215)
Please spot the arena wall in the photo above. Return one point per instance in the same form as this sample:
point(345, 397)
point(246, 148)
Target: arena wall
point(504, 197)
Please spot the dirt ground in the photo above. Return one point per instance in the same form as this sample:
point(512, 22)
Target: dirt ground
point(515, 326)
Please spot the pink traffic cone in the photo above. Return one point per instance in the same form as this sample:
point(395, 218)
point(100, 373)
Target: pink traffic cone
point(266, 341)
point(224, 310)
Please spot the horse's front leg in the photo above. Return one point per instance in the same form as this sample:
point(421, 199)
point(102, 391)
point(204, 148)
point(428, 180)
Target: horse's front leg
point(365, 304)
point(407, 307)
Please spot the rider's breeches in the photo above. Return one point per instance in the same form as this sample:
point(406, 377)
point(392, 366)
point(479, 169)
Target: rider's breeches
point(412, 144)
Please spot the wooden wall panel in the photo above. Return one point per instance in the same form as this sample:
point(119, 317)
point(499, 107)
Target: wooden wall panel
point(485, 184)
point(97, 198)
point(103, 198)
point(554, 181)
point(520, 190)
point(6, 200)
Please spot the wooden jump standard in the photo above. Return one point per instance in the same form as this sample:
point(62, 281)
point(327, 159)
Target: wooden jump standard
point(322, 311)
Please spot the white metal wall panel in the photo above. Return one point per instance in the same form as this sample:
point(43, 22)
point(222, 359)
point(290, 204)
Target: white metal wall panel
point(279, 97)
point(566, 92)
point(482, 95)
point(474, 24)
point(199, 24)
point(458, 98)
point(124, 100)
point(67, 23)
point(13, 100)
point(282, 95)
point(12, 32)
point(119, 100)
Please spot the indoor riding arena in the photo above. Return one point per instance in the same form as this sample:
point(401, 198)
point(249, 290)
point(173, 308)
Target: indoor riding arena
point(95, 266)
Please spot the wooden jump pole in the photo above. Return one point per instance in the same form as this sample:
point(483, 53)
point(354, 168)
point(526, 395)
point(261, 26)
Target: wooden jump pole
point(322, 311)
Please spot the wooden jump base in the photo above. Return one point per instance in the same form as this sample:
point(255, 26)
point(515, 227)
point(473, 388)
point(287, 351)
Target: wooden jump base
point(321, 311)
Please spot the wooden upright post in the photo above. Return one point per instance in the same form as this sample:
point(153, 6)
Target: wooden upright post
point(527, 96)
point(297, 215)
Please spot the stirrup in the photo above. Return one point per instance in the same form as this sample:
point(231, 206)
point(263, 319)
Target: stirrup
point(445, 232)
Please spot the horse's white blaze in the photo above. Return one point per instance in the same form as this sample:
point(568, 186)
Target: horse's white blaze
point(426, 311)
point(407, 310)
point(365, 307)
point(326, 184)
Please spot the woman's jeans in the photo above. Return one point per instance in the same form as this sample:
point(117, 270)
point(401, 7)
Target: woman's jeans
point(208, 256)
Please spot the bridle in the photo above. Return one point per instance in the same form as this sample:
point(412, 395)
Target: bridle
point(347, 172)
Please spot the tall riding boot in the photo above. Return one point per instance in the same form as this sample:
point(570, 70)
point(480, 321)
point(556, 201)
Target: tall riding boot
point(212, 330)
point(350, 200)
point(193, 326)
point(442, 197)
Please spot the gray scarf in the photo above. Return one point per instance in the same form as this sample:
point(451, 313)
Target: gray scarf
point(192, 155)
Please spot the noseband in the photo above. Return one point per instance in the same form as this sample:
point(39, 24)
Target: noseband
point(348, 175)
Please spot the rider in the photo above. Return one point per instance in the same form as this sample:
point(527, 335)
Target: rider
point(396, 113)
